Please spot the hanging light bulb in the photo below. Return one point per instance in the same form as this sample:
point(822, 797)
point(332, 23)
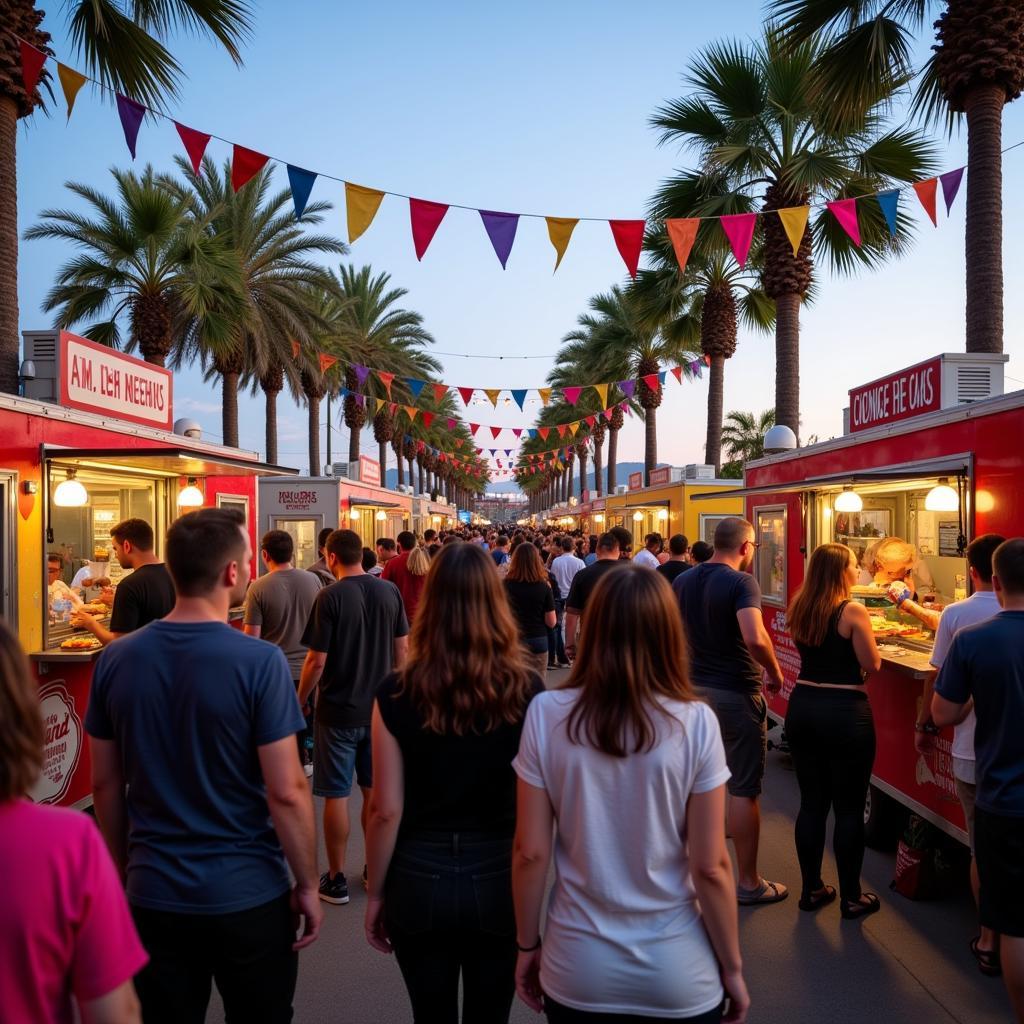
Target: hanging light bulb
point(849, 501)
point(638, 517)
point(381, 516)
point(599, 517)
point(190, 496)
point(354, 513)
point(942, 498)
point(70, 493)
point(663, 514)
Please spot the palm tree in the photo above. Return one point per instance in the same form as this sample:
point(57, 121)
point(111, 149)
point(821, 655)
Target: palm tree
point(975, 70)
point(122, 45)
point(147, 255)
point(743, 438)
point(767, 139)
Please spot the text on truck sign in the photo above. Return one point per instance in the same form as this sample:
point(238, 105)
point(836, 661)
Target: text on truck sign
point(911, 392)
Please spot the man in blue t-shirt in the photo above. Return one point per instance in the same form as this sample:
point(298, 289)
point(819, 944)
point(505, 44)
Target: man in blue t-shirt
point(198, 786)
point(985, 668)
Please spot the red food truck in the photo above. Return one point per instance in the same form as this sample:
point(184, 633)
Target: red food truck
point(90, 444)
point(931, 457)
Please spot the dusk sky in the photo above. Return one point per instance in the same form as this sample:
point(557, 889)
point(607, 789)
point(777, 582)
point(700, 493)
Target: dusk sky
point(532, 108)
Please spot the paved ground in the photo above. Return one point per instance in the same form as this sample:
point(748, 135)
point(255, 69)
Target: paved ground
point(908, 963)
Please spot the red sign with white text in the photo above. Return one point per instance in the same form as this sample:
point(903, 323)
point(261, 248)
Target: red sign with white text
point(910, 392)
point(369, 471)
point(100, 380)
point(661, 476)
point(636, 481)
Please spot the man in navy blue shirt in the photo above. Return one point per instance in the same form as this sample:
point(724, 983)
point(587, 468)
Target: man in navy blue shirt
point(985, 667)
point(200, 793)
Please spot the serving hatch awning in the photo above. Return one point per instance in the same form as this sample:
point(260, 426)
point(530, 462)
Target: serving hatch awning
point(373, 503)
point(168, 462)
point(660, 503)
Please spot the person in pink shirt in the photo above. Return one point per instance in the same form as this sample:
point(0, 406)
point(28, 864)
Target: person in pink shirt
point(66, 934)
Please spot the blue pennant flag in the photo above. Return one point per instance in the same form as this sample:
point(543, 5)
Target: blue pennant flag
point(888, 201)
point(301, 182)
point(493, 451)
point(662, 376)
point(532, 433)
point(415, 386)
point(508, 453)
point(344, 393)
point(519, 397)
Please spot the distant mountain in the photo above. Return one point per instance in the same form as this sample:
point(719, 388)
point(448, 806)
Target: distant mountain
point(509, 486)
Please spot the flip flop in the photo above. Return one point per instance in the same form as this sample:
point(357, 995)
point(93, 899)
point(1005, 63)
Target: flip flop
point(766, 892)
point(988, 959)
point(817, 899)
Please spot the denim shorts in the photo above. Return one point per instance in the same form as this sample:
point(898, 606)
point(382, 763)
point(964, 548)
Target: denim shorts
point(338, 756)
point(743, 718)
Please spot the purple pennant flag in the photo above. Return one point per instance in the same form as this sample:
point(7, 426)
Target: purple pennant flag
point(362, 372)
point(360, 399)
point(131, 114)
point(627, 387)
point(950, 186)
point(695, 367)
point(501, 229)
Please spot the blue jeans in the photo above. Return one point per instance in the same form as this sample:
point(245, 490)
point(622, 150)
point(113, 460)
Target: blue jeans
point(556, 642)
point(448, 910)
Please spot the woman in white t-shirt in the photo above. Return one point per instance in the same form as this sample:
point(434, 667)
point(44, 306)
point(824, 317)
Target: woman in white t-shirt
point(630, 768)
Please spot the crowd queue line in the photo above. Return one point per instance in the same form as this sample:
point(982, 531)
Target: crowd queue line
point(415, 670)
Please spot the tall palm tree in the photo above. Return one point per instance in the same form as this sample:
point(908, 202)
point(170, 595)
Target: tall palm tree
point(120, 43)
point(767, 139)
point(743, 434)
point(147, 255)
point(975, 70)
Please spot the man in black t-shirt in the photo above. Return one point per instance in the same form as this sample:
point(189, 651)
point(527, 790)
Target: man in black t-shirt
point(583, 583)
point(679, 557)
point(143, 596)
point(357, 633)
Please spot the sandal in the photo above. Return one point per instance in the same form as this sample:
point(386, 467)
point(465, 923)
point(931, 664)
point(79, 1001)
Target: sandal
point(817, 899)
point(853, 909)
point(766, 892)
point(988, 959)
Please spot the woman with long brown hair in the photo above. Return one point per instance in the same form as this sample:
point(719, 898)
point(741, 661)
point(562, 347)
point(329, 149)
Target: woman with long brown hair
point(829, 726)
point(629, 768)
point(533, 602)
point(439, 834)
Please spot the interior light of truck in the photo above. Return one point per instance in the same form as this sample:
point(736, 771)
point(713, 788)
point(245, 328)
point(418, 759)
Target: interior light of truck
point(190, 496)
point(942, 498)
point(70, 493)
point(849, 501)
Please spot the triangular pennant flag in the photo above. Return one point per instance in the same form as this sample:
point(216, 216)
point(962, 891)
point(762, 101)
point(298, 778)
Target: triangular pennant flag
point(428, 418)
point(573, 427)
point(508, 453)
point(739, 229)
point(544, 431)
point(410, 411)
point(361, 205)
point(602, 393)
point(518, 431)
point(572, 395)
point(492, 394)
point(950, 186)
point(591, 420)
point(195, 144)
point(627, 387)
point(560, 230)
point(681, 232)
point(244, 164)
point(794, 223)
point(360, 400)
point(386, 379)
point(474, 427)
point(296, 349)
point(392, 408)
point(609, 413)
point(301, 182)
point(361, 372)
point(662, 376)
point(452, 423)
point(326, 362)
point(459, 442)
point(677, 372)
point(519, 397)
point(888, 201)
point(466, 394)
point(426, 217)
point(845, 211)
point(926, 193)
point(344, 393)
point(440, 390)
point(545, 394)
point(32, 61)
point(493, 451)
point(652, 381)
point(561, 430)
point(380, 405)
point(414, 386)
point(707, 359)
point(501, 230)
point(629, 239)
point(71, 81)
point(495, 431)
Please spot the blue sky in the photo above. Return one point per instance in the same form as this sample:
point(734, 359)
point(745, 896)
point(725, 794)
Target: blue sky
point(528, 107)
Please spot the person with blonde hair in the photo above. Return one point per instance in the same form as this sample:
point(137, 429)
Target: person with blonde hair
point(829, 726)
point(66, 934)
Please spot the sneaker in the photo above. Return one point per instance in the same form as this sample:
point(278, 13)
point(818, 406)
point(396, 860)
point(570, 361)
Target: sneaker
point(308, 769)
point(333, 890)
point(552, 668)
point(366, 884)
point(564, 664)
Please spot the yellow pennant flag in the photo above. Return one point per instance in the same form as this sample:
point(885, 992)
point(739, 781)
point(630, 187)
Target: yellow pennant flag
point(602, 393)
point(492, 394)
point(794, 220)
point(71, 81)
point(573, 427)
point(545, 394)
point(380, 404)
point(410, 411)
point(362, 205)
point(560, 230)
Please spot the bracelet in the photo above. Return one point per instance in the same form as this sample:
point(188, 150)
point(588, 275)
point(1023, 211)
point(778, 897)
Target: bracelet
point(927, 727)
point(529, 949)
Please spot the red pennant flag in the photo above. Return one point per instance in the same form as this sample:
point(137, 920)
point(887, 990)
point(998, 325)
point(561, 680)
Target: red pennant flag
point(244, 164)
point(440, 390)
point(32, 61)
point(707, 360)
point(426, 217)
point(609, 413)
point(652, 382)
point(459, 442)
point(926, 193)
point(467, 395)
point(561, 429)
point(420, 446)
point(386, 379)
point(427, 417)
point(629, 238)
point(479, 451)
point(495, 431)
point(739, 229)
point(474, 427)
point(296, 349)
point(392, 408)
point(544, 431)
point(195, 144)
point(682, 231)
point(591, 420)
point(326, 362)
point(518, 431)
point(677, 372)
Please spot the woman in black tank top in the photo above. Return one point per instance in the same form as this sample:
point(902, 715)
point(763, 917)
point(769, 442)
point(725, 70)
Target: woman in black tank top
point(829, 727)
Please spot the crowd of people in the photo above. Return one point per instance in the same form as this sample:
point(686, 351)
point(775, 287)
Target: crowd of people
point(416, 669)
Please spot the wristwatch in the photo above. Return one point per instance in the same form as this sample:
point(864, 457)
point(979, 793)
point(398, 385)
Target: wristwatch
point(927, 727)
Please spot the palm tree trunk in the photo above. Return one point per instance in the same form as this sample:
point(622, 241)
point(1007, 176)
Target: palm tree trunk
point(382, 458)
point(353, 444)
point(984, 229)
point(401, 469)
point(787, 361)
point(597, 467)
point(412, 475)
point(583, 474)
point(650, 443)
point(10, 340)
point(270, 415)
point(313, 407)
point(713, 445)
point(229, 401)
point(419, 489)
point(613, 454)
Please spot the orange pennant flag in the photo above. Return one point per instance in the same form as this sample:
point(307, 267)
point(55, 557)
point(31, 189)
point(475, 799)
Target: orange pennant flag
point(361, 205)
point(492, 394)
point(70, 81)
point(545, 394)
point(561, 430)
point(573, 427)
point(296, 349)
point(386, 379)
point(560, 230)
point(794, 222)
point(410, 411)
point(326, 362)
point(682, 231)
point(926, 193)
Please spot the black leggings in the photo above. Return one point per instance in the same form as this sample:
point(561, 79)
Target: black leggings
point(831, 736)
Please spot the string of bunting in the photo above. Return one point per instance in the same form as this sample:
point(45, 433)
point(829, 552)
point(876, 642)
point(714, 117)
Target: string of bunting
point(425, 215)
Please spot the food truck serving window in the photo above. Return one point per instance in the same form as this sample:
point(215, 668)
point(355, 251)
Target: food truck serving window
point(770, 559)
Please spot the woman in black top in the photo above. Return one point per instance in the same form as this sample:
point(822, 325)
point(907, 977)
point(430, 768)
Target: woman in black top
point(442, 816)
point(829, 726)
point(532, 601)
